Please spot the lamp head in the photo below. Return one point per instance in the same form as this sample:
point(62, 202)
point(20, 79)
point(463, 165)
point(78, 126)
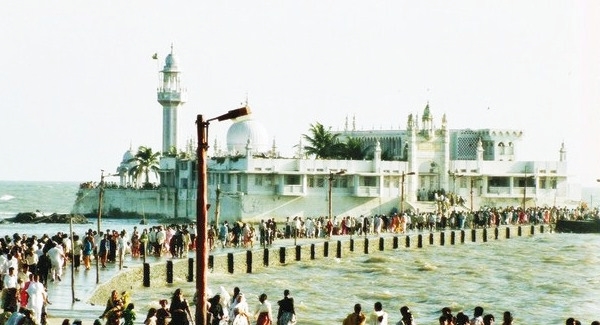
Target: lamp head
point(234, 113)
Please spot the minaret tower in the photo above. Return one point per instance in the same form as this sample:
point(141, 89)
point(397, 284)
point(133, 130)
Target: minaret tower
point(171, 96)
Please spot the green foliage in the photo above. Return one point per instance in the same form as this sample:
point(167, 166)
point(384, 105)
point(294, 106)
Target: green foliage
point(323, 144)
point(146, 162)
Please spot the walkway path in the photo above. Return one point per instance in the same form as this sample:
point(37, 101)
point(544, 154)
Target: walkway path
point(84, 284)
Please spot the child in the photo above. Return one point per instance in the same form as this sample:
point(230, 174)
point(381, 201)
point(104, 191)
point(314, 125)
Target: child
point(129, 314)
point(151, 317)
point(163, 313)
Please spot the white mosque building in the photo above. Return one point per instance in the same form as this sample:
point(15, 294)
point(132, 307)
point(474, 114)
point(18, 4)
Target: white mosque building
point(248, 180)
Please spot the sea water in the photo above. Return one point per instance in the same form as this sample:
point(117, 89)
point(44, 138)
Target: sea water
point(542, 279)
point(46, 198)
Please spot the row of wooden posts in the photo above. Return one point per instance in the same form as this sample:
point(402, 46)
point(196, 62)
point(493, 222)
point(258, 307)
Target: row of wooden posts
point(250, 266)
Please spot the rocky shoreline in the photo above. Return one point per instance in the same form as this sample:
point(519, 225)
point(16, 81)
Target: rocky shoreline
point(36, 217)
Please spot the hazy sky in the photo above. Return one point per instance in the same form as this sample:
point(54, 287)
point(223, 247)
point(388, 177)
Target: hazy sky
point(78, 83)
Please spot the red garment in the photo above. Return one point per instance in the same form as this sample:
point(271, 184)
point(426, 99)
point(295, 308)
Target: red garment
point(263, 319)
point(24, 297)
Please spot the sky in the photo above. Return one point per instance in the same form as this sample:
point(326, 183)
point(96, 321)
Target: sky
point(78, 82)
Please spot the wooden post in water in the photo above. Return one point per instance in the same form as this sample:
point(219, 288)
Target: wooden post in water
point(266, 257)
point(248, 261)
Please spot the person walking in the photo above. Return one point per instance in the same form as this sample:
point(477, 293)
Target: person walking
point(355, 318)
point(477, 316)
point(263, 314)
point(162, 313)
point(57, 258)
point(103, 250)
point(87, 249)
point(286, 314)
point(407, 316)
point(37, 296)
point(379, 316)
point(151, 317)
point(180, 310)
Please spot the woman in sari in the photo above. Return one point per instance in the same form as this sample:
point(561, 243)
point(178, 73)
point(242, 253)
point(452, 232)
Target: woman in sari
point(180, 310)
point(264, 314)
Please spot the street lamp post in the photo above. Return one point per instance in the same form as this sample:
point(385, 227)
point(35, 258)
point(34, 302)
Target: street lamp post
point(472, 181)
point(100, 198)
point(331, 175)
point(201, 210)
point(454, 176)
point(525, 188)
point(402, 189)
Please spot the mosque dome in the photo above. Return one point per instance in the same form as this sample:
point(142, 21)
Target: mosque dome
point(127, 156)
point(171, 63)
point(244, 129)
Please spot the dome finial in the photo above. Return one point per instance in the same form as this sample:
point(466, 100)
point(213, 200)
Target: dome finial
point(171, 47)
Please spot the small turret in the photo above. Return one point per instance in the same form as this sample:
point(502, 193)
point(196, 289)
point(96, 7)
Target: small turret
point(300, 153)
point(479, 150)
point(249, 148)
point(346, 124)
point(427, 120)
point(563, 152)
point(274, 152)
point(410, 124)
point(377, 150)
point(444, 122)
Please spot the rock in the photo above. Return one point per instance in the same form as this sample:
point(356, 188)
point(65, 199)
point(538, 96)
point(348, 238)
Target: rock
point(175, 221)
point(32, 217)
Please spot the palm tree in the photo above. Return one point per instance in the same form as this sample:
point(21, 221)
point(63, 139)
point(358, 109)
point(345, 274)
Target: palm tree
point(322, 143)
point(354, 149)
point(146, 162)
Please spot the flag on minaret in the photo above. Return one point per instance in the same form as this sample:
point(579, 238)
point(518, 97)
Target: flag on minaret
point(155, 56)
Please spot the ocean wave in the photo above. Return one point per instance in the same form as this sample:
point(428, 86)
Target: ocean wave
point(377, 259)
point(427, 267)
point(6, 197)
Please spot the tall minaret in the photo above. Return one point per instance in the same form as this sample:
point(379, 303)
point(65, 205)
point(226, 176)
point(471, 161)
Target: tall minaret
point(171, 96)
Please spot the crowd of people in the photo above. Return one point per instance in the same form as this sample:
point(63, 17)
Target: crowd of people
point(234, 309)
point(29, 263)
point(223, 309)
point(26, 266)
point(226, 308)
point(379, 316)
point(244, 235)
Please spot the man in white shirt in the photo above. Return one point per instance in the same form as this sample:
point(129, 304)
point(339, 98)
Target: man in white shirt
point(57, 258)
point(379, 316)
point(10, 262)
point(10, 280)
point(122, 245)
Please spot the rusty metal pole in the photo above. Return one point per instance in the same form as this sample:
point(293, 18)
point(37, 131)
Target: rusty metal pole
point(201, 224)
point(100, 199)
